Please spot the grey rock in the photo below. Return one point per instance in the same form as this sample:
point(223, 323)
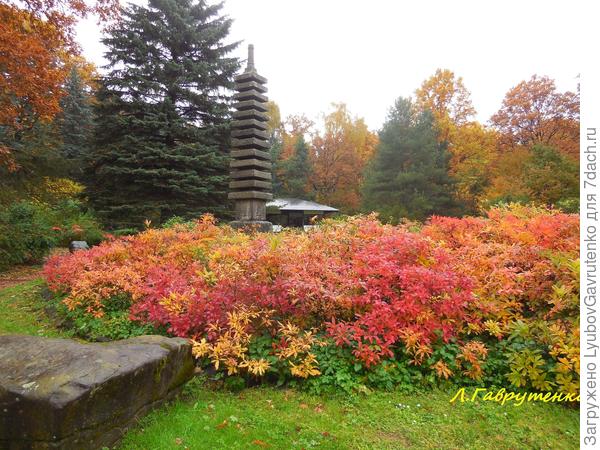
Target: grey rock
point(78, 245)
point(63, 394)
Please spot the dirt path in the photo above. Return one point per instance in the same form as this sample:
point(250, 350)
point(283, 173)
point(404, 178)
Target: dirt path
point(23, 273)
point(19, 274)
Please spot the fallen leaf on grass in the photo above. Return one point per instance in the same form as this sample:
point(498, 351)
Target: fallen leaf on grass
point(303, 406)
point(178, 441)
point(260, 443)
point(319, 408)
point(222, 425)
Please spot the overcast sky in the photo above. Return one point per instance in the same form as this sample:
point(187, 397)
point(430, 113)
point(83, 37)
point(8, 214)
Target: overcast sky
point(368, 53)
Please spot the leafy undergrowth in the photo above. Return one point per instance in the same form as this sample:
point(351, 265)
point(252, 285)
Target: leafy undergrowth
point(22, 311)
point(272, 418)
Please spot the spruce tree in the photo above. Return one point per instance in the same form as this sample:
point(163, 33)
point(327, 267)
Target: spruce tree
point(75, 122)
point(161, 141)
point(408, 177)
point(296, 171)
point(277, 166)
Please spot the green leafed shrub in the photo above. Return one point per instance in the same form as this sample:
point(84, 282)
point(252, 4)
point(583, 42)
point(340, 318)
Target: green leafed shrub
point(115, 324)
point(26, 234)
point(28, 230)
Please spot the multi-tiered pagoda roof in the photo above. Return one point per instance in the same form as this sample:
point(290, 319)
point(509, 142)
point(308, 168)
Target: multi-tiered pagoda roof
point(250, 185)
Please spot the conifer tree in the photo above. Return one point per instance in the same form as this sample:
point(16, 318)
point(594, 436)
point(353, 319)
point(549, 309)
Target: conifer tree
point(275, 131)
point(408, 177)
point(277, 166)
point(297, 170)
point(75, 122)
point(162, 127)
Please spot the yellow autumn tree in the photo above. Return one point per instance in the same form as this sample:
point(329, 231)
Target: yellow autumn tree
point(473, 149)
point(338, 155)
point(274, 125)
point(471, 145)
point(447, 98)
point(294, 126)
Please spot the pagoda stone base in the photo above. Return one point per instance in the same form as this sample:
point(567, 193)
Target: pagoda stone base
point(250, 209)
point(261, 226)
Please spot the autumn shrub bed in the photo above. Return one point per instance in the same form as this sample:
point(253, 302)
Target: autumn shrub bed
point(351, 304)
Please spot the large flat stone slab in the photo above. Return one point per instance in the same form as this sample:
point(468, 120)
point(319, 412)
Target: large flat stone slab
point(63, 394)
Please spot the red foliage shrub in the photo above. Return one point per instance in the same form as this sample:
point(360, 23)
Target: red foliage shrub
point(375, 288)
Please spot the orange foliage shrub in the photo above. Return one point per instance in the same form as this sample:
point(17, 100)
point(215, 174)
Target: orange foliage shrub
point(499, 290)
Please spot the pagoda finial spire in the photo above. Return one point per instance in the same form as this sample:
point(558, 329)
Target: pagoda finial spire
point(250, 66)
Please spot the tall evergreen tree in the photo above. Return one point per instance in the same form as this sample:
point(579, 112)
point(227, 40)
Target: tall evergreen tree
point(408, 177)
point(297, 170)
point(163, 113)
point(277, 165)
point(75, 122)
point(275, 131)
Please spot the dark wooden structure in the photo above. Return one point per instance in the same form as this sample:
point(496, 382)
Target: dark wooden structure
point(295, 212)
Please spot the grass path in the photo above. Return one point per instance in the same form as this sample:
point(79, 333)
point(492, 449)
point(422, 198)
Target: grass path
point(19, 274)
point(26, 272)
point(22, 310)
point(265, 417)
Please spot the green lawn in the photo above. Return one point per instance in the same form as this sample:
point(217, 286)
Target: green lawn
point(22, 310)
point(288, 419)
point(266, 417)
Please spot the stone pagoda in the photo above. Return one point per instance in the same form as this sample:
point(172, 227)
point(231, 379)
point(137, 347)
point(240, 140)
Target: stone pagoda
point(250, 186)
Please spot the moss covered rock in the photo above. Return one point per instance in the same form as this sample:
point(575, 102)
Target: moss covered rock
point(60, 393)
